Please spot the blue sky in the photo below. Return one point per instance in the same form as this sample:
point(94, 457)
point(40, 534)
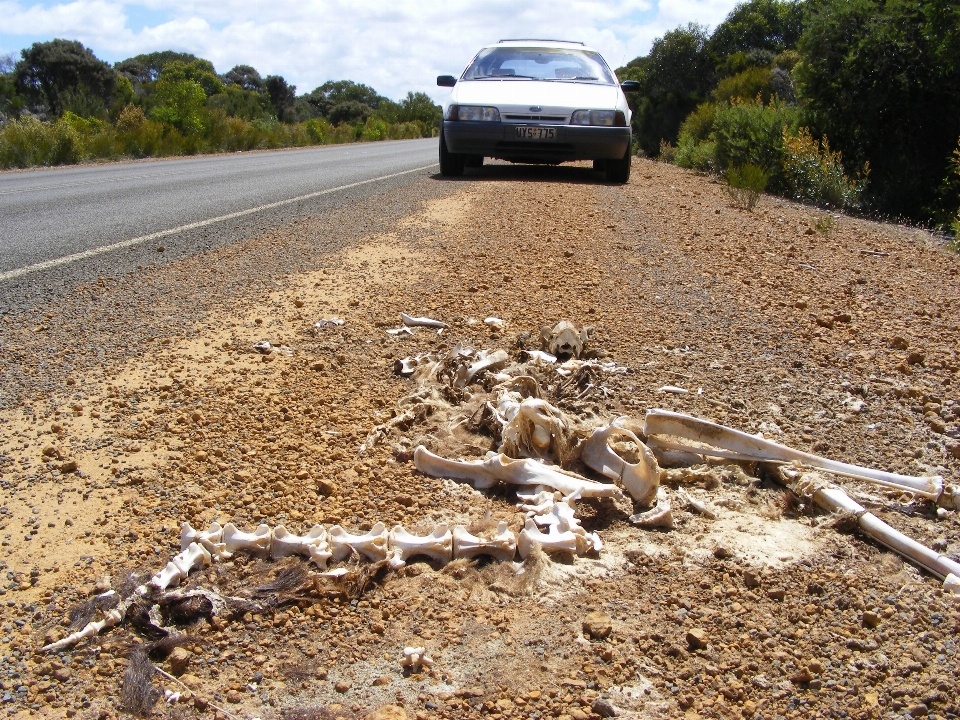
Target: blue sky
point(393, 46)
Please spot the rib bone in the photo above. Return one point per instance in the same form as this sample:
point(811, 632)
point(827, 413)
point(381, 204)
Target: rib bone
point(438, 545)
point(502, 546)
point(484, 474)
point(750, 447)
point(372, 545)
point(257, 542)
point(641, 479)
point(411, 321)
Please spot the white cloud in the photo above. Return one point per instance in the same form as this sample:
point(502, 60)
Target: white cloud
point(393, 46)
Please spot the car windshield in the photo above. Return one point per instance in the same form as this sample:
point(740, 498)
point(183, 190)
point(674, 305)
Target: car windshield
point(539, 64)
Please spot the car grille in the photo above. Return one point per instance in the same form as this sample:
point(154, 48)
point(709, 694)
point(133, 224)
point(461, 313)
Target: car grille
point(539, 118)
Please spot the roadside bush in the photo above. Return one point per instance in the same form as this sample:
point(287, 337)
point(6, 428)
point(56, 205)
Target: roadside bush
point(667, 152)
point(746, 185)
point(749, 84)
point(814, 173)
point(695, 155)
point(751, 133)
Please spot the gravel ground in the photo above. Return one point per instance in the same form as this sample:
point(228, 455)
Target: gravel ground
point(137, 403)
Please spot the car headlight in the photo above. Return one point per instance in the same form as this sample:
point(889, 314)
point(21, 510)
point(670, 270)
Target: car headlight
point(609, 118)
point(473, 113)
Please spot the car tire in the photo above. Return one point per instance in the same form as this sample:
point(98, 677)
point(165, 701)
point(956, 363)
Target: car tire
point(618, 171)
point(599, 165)
point(451, 164)
point(473, 161)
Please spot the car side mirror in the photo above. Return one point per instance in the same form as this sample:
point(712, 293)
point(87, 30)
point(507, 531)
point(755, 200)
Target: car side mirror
point(630, 86)
point(448, 80)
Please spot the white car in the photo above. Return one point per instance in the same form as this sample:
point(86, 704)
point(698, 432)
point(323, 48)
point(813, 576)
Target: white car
point(537, 101)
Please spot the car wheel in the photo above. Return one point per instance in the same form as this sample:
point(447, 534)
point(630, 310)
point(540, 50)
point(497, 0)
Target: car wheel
point(451, 164)
point(618, 171)
point(599, 165)
point(473, 161)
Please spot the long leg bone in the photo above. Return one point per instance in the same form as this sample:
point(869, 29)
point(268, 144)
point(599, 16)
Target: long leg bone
point(502, 546)
point(485, 474)
point(372, 545)
point(641, 479)
point(833, 499)
point(438, 545)
point(257, 542)
point(750, 447)
point(314, 545)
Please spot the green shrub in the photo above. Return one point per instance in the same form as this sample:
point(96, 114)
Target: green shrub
point(747, 85)
point(667, 152)
point(751, 133)
point(814, 173)
point(699, 124)
point(746, 184)
point(695, 155)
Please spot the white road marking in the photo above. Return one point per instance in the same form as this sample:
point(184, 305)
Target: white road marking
point(67, 259)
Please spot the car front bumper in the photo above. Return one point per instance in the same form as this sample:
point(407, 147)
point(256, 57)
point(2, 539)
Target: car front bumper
point(573, 142)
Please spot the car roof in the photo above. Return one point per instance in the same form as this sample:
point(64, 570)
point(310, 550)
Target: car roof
point(537, 42)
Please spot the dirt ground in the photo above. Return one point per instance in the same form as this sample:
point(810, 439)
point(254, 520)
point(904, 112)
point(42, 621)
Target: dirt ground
point(138, 403)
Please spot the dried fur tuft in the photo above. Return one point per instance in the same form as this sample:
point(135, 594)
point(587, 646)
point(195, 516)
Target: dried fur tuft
point(318, 713)
point(502, 577)
point(138, 695)
point(161, 648)
point(845, 522)
point(187, 610)
point(289, 579)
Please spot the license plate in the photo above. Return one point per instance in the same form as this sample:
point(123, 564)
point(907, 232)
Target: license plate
point(536, 133)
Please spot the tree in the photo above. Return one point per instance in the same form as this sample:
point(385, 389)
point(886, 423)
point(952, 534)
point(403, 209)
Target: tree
point(674, 78)
point(771, 25)
point(142, 69)
point(245, 76)
point(882, 79)
point(419, 107)
point(50, 72)
point(282, 96)
point(180, 99)
point(349, 112)
point(335, 92)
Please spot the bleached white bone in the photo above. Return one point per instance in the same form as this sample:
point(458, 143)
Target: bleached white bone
point(372, 544)
point(537, 502)
point(641, 479)
point(564, 338)
point(415, 658)
point(438, 545)
point(211, 539)
point(405, 366)
point(400, 331)
point(314, 545)
point(951, 584)
point(832, 498)
point(257, 542)
point(485, 361)
point(501, 546)
point(484, 474)
point(659, 516)
point(411, 321)
point(551, 543)
point(110, 619)
point(195, 555)
point(532, 427)
point(539, 356)
point(494, 322)
point(750, 447)
point(561, 517)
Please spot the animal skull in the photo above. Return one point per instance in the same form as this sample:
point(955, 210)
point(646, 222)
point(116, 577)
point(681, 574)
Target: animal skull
point(502, 546)
point(564, 340)
point(438, 545)
point(372, 545)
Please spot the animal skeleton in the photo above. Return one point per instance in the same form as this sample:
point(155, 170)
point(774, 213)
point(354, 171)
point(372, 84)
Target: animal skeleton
point(564, 340)
point(640, 479)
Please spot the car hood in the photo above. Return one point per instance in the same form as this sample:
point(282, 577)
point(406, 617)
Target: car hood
point(521, 95)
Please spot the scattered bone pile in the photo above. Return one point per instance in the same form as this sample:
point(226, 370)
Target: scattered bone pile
point(487, 392)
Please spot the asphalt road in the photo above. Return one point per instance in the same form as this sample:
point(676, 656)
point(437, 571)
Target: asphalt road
point(68, 225)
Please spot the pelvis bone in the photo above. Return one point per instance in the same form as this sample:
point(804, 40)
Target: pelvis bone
point(641, 479)
point(484, 474)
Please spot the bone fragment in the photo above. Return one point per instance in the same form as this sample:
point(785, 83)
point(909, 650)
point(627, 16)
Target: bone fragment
point(750, 447)
point(179, 568)
point(372, 545)
point(551, 543)
point(400, 331)
point(329, 322)
point(502, 546)
point(263, 346)
point(405, 366)
point(951, 584)
point(833, 499)
point(211, 539)
point(534, 428)
point(640, 479)
point(696, 505)
point(494, 322)
point(673, 389)
point(485, 361)
point(484, 474)
point(411, 321)
point(438, 545)
point(660, 516)
point(257, 542)
point(110, 619)
point(416, 658)
point(314, 545)
point(539, 356)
